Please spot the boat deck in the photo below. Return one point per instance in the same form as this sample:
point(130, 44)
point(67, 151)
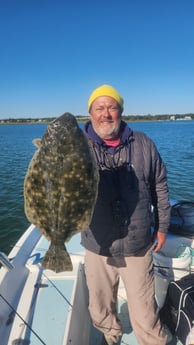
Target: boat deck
point(51, 308)
point(95, 336)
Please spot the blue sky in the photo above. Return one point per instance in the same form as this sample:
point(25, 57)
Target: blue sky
point(54, 53)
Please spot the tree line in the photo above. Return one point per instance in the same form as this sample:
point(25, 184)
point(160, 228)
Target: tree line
point(82, 118)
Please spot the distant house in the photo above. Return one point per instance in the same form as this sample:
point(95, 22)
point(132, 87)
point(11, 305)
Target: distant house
point(182, 118)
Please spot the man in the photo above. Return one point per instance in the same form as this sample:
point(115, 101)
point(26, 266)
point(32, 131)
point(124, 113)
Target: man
point(119, 242)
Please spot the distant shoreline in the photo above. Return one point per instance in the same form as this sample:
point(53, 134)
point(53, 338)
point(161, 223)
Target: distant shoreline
point(127, 118)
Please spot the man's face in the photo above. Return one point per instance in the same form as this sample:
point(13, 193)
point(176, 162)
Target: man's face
point(105, 115)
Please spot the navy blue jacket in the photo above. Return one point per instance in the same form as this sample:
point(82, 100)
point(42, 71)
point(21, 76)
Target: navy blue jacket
point(132, 180)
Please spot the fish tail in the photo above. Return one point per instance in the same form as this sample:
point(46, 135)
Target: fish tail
point(57, 259)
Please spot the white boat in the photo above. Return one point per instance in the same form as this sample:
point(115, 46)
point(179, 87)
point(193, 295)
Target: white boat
point(38, 306)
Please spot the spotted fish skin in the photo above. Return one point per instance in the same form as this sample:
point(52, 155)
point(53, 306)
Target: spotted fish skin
point(60, 188)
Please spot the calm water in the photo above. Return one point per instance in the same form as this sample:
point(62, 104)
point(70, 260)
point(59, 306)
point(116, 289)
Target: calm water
point(175, 141)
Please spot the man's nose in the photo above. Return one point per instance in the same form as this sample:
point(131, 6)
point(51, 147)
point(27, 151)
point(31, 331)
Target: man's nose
point(107, 112)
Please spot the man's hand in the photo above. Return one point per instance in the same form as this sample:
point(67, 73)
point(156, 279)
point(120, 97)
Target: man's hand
point(160, 239)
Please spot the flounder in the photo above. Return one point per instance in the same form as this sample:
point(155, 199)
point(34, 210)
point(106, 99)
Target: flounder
point(60, 188)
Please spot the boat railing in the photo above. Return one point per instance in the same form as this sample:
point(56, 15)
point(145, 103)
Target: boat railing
point(4, 260)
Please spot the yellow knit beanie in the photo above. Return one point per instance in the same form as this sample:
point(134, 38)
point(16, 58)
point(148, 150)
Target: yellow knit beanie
point(105, 90)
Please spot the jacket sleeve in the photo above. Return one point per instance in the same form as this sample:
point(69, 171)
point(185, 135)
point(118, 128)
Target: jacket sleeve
point(159, 191)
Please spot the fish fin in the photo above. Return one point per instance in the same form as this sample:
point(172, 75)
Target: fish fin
point(37, 142)
point(57, 259)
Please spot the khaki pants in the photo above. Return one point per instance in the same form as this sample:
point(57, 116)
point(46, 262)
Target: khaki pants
point(102, 274)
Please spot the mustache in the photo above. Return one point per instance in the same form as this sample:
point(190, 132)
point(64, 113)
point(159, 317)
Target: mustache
point(107, 120)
